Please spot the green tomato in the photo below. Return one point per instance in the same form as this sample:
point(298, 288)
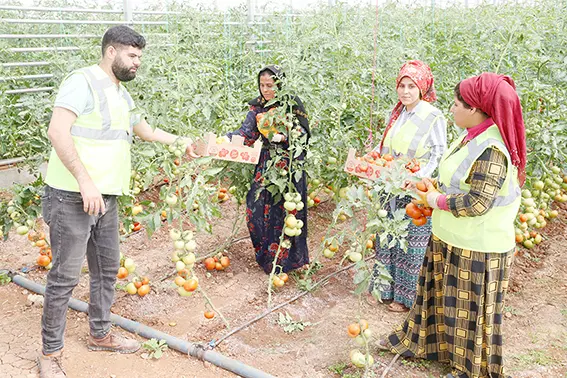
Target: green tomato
point(179, 266)
point(355, 256)
point(131, 288)
point(382, 213)
point(179, 244)
point(171, 199)
point(174, 234)
point(328, 253)
point(129, 265)
point(289, 231)
point(187, 235)
point(189, 259)
point(291, 221)
point(22, 230)
point(191, 246)
point(290, 206)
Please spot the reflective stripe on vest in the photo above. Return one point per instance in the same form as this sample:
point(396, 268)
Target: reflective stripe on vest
point(493, 229)
point(99, 86)
point(422, 120)
point(475, 150)
point(423, 129)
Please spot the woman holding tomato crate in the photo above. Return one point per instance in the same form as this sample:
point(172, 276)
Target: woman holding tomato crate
point(266, 218)
point(457, 316)
point(416, 131)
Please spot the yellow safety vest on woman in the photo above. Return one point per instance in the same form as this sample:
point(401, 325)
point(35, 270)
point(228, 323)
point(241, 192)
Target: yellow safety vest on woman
point(494, 230)
point(410, 140)
point(102, 139)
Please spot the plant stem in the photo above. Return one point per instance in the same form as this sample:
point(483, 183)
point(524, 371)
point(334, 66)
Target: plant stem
point(213, 306)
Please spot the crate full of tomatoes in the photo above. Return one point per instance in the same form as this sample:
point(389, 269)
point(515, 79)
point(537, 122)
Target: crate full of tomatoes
point(367, 166)
point(370, 165)
point(230, 150)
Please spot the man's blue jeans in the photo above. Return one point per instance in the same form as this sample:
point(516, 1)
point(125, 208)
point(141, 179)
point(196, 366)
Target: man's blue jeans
point(74, 234)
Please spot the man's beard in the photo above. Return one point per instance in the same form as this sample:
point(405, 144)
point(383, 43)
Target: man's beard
point(122, 72)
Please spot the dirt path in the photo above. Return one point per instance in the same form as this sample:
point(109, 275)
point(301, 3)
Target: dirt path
point(535, 327)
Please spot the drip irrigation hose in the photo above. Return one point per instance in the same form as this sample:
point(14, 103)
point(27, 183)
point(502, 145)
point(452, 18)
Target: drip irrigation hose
point(192, 349)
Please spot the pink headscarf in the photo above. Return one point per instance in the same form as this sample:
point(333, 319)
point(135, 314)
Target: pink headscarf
point(421, 75)
point(496, 96)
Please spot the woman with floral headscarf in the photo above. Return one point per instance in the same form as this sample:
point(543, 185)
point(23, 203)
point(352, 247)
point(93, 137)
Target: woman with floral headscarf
point(416, 130)
point(458, 312)
point(264, 216)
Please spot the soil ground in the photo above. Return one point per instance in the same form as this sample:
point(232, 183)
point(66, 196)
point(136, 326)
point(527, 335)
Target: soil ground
point(535, 329)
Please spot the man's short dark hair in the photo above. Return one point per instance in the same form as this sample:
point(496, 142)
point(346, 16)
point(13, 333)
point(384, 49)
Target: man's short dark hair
point(122, 35)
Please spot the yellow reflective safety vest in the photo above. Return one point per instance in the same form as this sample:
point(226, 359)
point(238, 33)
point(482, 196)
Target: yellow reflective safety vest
point(102, 139)
point(494, 230)
point(411, 138)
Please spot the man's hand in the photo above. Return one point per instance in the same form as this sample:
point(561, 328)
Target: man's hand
point(93, 204)
point(190, 149)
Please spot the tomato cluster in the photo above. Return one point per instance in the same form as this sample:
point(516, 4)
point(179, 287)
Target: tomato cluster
point(45, 257)
point(218, 262)
point(140, 284)
point(280, 279)
point(361, 334)
point(418, 214)
point(270, 122)
point(413, 166)
point(223, 193)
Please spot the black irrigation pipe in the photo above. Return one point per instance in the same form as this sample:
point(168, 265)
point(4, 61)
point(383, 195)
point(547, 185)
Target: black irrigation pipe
point(214, 343)
point(192, 349)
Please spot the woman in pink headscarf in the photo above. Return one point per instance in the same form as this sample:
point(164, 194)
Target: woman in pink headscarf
point(416, 129)
point(457, 316)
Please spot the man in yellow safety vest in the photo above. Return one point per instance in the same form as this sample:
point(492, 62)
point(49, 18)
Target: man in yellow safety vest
point(91, 131)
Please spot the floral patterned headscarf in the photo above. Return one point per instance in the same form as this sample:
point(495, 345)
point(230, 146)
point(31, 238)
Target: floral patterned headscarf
point(421, 75)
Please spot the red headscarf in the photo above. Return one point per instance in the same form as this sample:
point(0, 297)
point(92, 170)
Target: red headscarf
point(421, 75)
point(496, 96)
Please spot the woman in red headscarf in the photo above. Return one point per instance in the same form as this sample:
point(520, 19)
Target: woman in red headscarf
point(457, 316)
point(416, 129)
